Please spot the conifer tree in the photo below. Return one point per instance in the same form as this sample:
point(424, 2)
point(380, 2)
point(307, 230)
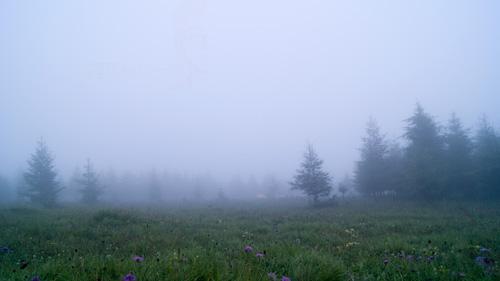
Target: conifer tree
point(424, 156)
point(40, 180)
point(310, 177)
point(91, 187)
point(458, 159)
point(370, 173)
point(487, 161)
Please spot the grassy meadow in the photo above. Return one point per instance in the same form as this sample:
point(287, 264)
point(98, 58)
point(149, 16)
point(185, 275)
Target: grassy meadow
point(352, 241)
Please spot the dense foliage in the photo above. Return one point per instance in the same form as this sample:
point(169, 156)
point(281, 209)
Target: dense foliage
point(311, 179)
point(40, 184)
point(435, 162)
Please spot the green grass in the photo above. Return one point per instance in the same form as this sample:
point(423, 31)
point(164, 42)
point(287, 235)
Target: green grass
point(348, 242)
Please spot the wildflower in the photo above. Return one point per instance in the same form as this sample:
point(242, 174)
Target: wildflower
point(138, 258)
point(259, 255)
point(285, 278)
point(386, 261)
point(248, 249)
point(36, 278)
point(129, 277)
point(484, 262)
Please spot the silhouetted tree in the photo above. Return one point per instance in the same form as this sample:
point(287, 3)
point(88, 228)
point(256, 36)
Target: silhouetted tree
point(458, 160)
point(424, 156)
point(40, 183)
point(487, 160)
point(370, 173)
point(310, 177)
point(91, 187)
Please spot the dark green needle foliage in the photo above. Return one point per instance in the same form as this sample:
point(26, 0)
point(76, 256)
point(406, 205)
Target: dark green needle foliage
point(310, 177)
point(40, 180)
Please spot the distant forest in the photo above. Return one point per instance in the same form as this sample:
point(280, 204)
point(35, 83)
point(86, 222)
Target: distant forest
point(433, 162)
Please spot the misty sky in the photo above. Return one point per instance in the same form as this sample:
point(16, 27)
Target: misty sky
point(235, 87)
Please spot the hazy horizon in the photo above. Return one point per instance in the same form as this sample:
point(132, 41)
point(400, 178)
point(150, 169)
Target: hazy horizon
point(230, 89)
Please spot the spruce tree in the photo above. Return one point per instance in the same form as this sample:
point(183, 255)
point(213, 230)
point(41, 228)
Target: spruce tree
point(40, 180)
point(424, 156)
point(487, 161)
point(458, 160)
point(395, 173)
point(91, 187)
point(310, 177)
point(370, 173)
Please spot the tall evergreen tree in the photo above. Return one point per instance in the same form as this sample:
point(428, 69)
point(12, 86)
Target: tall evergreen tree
point(40, 180)
point(91, 187)
point(395, 170)
point(487, 160)
point(310, 177)
point(458, 159)
point(370, 173)
point(424, 156)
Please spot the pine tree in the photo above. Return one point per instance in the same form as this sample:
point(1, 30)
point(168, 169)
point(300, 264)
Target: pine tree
point(395, 170)
point(91, 187)
point(310, 177)
point(458, 159)
point(487, 161)
point(370, 174)
point(40, 183)
point(424, 156)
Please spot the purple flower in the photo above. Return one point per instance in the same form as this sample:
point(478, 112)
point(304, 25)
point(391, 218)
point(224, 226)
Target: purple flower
point(36, 278)
point(484, 262)
point(138, 258)
point(285, 278)
point(129, 277)
point(259, 255)
point(248, 249)
point(386, 261)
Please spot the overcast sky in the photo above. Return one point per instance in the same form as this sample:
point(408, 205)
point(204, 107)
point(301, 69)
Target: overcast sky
point(235, 87)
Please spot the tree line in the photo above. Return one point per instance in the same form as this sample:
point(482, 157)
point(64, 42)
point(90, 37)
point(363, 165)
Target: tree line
point(435, 162)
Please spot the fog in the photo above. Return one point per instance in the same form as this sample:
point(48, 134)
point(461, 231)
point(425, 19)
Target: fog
point(232, 92)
